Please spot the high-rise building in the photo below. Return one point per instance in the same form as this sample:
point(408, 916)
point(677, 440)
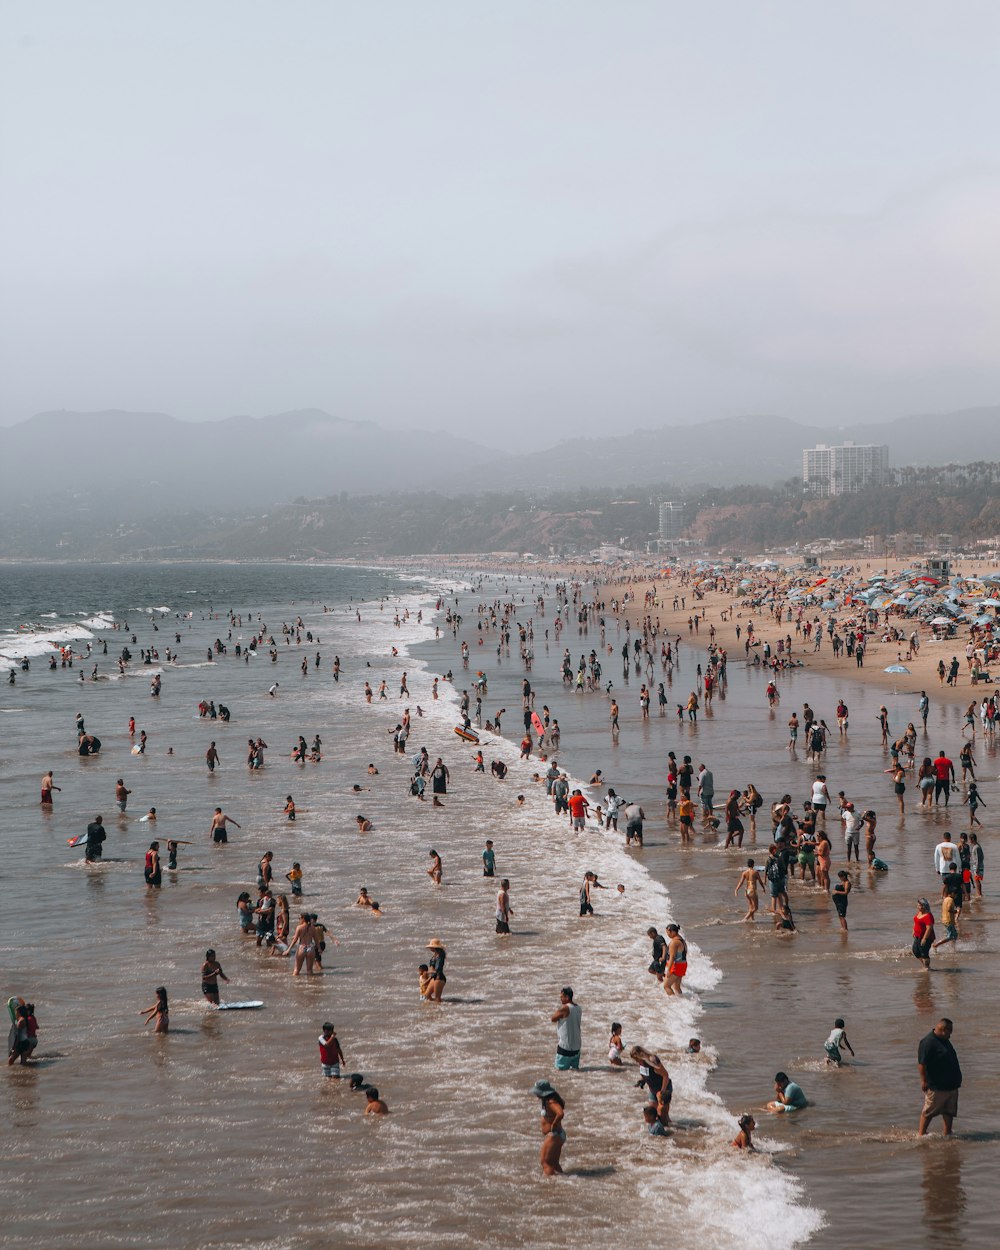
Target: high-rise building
point(843, 470)
point(671, 521)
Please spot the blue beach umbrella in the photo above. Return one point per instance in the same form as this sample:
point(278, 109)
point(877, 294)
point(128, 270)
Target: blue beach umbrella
point(896, 668)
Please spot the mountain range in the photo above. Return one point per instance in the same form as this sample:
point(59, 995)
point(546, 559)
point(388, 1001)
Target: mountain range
point(120, 465)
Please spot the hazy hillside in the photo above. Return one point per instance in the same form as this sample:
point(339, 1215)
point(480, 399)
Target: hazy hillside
point(752, 450)
point(115, 464)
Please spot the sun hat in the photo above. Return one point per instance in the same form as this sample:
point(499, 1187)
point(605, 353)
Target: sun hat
point(542, 1089)
point(435, 944)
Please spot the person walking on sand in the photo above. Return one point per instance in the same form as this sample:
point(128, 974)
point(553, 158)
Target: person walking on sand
point(567, 1019)
point(553, 1133)
point(940, 1077)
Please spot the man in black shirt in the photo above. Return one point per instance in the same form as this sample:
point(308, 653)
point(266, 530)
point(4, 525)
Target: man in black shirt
point(95, 837)
point(659, 965)
point(940, 1077)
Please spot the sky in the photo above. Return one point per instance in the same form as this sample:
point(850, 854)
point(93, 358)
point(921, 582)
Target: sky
point(519, 222)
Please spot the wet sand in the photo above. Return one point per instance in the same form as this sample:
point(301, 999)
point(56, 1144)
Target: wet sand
point(855, 1148)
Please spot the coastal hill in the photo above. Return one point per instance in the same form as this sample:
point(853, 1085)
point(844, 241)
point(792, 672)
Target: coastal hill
point(115, 463)
point(120, 466)
point(743, 450)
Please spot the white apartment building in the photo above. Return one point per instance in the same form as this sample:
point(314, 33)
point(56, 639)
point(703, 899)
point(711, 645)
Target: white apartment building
point(843, 470)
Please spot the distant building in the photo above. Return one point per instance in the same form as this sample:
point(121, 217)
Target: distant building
point(843, 470)
point(671, 521)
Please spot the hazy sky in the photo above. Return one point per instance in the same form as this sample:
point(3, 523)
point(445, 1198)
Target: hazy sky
point(518, 221)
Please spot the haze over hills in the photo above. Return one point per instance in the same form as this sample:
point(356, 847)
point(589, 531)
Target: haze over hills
point(752, 450)
point(110, 466)
point(120, 461)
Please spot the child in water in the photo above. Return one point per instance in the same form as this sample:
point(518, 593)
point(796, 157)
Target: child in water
point(834, 1042)
point(743, 1139)
point(425, 980)
point(615, 1045)
point(160, 1011)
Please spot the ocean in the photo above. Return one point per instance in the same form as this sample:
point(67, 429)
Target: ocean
point(223, 1133)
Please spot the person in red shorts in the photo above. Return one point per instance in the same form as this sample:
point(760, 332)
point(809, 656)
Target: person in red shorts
point(677, 953)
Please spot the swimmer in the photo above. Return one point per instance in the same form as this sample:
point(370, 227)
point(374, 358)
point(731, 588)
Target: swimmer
point(375, 1105)
point(364, 824)
point(363, 899)
point(744, 1139)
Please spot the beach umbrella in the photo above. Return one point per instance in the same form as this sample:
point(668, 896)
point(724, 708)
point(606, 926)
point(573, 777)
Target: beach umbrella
point(896, 668)
point(941, 620)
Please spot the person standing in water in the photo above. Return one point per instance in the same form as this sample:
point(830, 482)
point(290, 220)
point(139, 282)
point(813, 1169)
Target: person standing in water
point(677, 953)
point(553, 1133)
point(152, 871)
point(211, 970)
point(566, 1018)
point(96, 835)
point(504, 910)
point(160, 1011)
point(940, 1077)
point(751, 883)
point(48, 785)
point(218, 827)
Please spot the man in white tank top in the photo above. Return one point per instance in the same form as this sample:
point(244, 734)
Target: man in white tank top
point(566, 1018)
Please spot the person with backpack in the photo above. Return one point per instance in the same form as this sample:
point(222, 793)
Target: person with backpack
point(776, 876)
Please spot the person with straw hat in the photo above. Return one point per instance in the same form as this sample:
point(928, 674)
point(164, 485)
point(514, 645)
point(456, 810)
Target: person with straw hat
point(553, 1133)
point(438, 980)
